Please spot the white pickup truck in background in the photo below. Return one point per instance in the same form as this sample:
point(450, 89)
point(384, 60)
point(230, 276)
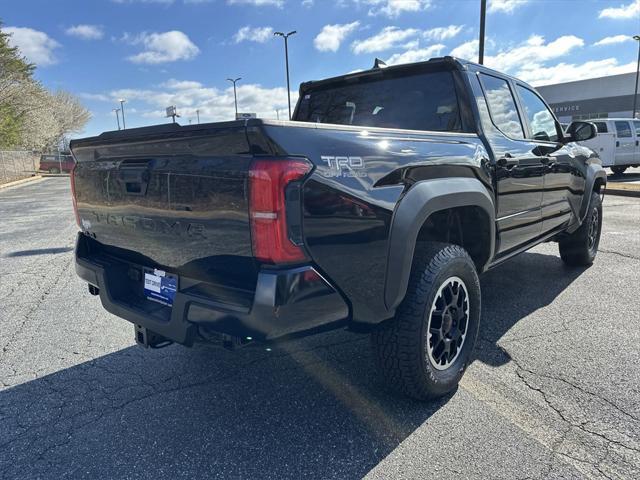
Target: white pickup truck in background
point(617, 143)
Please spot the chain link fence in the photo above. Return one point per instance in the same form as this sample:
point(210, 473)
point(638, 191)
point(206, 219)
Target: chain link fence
point(15, 165)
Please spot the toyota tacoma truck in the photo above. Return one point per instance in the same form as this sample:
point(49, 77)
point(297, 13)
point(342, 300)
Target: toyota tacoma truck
point(375, 210)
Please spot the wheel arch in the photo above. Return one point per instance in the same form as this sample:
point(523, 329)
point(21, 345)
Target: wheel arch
point(596, 180)
point(426, 200)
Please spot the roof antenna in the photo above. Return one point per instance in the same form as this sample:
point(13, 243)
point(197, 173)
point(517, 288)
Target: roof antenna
point(379, 64)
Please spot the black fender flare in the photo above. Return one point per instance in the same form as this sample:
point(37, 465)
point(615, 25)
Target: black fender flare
point(594, 172)
point(422, 200)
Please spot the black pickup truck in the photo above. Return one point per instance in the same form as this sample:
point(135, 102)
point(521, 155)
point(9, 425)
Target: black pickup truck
point(375, 209)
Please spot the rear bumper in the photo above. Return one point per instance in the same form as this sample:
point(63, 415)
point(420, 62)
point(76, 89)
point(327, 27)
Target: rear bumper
point(285, 302)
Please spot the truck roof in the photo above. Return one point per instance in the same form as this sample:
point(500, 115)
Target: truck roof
point(446, 62)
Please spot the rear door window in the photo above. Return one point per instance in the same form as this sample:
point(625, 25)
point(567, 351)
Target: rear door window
point(424, 101)
point(502, 106)
point(623, 129)
point(636, 124)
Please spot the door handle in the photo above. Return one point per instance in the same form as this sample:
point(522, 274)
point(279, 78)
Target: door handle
point(507, 161)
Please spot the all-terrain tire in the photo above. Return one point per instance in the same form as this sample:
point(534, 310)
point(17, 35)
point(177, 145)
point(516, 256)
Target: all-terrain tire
point(580, 247)
point(402, 348)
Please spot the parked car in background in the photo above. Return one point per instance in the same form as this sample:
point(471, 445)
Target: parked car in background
point(56, 163)
point(617, 143)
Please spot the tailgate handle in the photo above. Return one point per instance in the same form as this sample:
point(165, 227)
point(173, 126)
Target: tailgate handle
point(134, 179)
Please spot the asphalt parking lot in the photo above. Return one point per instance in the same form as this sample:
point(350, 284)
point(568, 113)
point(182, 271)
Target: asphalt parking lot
point(554, 391)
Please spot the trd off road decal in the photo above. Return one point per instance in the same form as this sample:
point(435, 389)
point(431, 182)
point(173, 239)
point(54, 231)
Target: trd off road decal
point(343, 166)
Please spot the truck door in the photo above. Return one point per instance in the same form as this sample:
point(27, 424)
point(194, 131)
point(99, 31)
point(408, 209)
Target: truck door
point(625, 143)
point(563, 181)
point(519, 167)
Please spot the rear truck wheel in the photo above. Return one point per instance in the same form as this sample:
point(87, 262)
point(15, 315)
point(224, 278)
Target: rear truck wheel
point(424, 351)
point(618, 170)
point(580, 247)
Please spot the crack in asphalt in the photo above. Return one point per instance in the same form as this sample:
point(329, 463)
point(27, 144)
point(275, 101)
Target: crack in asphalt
point(613, 252)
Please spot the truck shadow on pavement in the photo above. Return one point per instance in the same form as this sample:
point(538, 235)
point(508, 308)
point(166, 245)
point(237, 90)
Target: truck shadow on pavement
point(39, 251)
point(309, 408)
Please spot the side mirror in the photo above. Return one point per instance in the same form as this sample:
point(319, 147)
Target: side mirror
point(580, 131)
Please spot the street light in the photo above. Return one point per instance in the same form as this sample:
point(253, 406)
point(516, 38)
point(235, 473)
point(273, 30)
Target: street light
point(116, 110)
point(235, 96)
point(124, 125)
point(635, 90)
point(286, 58)
point(198, 115)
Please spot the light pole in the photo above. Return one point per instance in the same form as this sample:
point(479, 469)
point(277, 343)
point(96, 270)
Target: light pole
point(235, 96)
point(124, 125)
point(198, 115)
point(286, 59)
point(635, 90)
point(116, 110)
point(483, 13)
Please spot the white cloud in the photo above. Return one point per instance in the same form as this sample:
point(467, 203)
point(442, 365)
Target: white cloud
point(505, 6)
point(393, 8)
point(534, 49)
point(95, 96)
point(37, 46)
point(530, 60)
point(562, 72)
point(614, 39)
point(307, 3)
point(174, 84)
point(387, 38)
point(257, 3)
point(86, 32)
point(163, 47)
point(442, 33)
point(214, 104)
point(623, 12)
point(331, 36)
point(467, 51)
point(416, 55)
point(257, 34)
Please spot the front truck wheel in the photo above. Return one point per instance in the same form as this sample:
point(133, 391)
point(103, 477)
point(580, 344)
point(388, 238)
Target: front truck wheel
point(424, 351)
point(580, 247)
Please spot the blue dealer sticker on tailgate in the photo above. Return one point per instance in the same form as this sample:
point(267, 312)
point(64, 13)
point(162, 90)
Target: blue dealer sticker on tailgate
point(160, 287)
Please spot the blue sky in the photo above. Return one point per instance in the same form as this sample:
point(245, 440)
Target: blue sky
point(156, 53)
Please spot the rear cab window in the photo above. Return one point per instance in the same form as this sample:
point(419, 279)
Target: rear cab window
point(421, 101)
point(623, 129)
point(502, 106)
point(636, 125)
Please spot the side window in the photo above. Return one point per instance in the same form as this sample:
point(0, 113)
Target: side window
point(623, 129)
point(601, 127)
point(541, 121)
point(502, 106)
point(636, 124)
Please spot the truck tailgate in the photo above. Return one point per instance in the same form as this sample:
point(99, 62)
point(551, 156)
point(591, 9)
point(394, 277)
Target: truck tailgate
point(169, 199)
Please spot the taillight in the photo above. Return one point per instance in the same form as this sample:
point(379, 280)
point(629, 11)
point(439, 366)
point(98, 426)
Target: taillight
point(73, 193)
point(270, 233)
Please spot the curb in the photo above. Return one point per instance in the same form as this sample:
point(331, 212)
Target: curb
point(623, 189)
point(20, 182)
